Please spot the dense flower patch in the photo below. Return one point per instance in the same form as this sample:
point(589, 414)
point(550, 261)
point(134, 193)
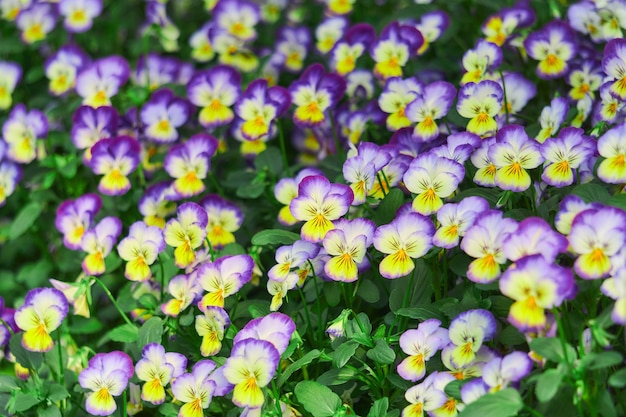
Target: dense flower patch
point(299, 208)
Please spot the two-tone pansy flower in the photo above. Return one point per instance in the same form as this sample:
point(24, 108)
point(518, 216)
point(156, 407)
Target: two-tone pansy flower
point(318, 204)
point(210, 326)
point(481, 102)
point(42, 313)
point(189, 164)
point(184, 290)
point(140, 249)
point(421, 344)
point(455, 219)
point(534, 236)
point(525, 90)
point(485, 175)
point(407, 237)
point(77, 293)
point(102, 80)
point(513, 154)
point(610, 108)
point(115, 159)
point(597, 235)
point(237, 17)
point(290, 258)
point(424, 397)
point(614, 287)
point(154, 205)
point(458, 147)
point(154, 70)
point(291, 47)
point(195, 390)
point(223, 278)
point(553, 46)
point(98, 243)
point(500, 373)
point(74, 217)
point(395, 98)
point(10, 75)
point(347, 244)
point(62, 68)
point(200, 43)
point(328, 33)
point(10, 9)
point(186, 233)
point(536, 285)
point(215, 91)
point(500, 27)
point(484, 241)
point(314, 94)
point(225, 218)
point(551, 118)
point(21, 131)
point(157, 369)
point(431, 25)
point(585, 80)
point(391, 52)
point(569, 208)
point(614, 65)
point(362, 167)
point(79, 14)
point(431, 104)
point(10, 175)
point(612, 146)
point(468, 331)
point(106, 376)
point(476, 62)
point(432, 178)
point(259, 106)
point(286, 189)
point(564, 154)
point(89, 125)
point(354, 44)
point(163, 114)
point(36, 22)
point(276, 328)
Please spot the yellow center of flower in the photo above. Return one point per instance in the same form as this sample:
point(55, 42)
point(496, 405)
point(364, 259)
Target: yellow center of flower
point(552, 60)
point(79, 16)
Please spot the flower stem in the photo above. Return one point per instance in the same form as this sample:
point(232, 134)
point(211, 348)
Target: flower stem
point(283, 148)
point(117, 306)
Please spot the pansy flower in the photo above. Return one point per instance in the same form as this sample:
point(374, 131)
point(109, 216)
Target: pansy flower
point(614, 65)
point(361, 168)
point(79, 14)
point(596, 236)
point(286, 189)
point(195, 390)
point(484, 241)
point(458, 147)
point(455, 219)
point(10, 75)
point(551, 118)
point(431, 104)
point(432, 178)
point(499, 27)
point(278, 289)
point(500, 373)
point(424, 397)
point(158, 368)
point(102, 80)
point(214, 91)
point(469, 370)
point(477, 61)
point(189, 164)
point(524, 89)
point(584, 80)
point(186, 232)
point(259, 106)
point(535, 284)
point(534, 236)
point(21, 131)
point(480, 103)
point(356, 41)
point(62, 68)
point(77, 293)
point(106, 376)
point(553, 46)
point(615, 287)
point(407, 237)
point(391, 52)
point(347, 244)
point(74, 217)
point(11, 8)
point(289, 258)
point(395, 98)
point(200, 42)
point(513, 154)
point(565, 154)
point(583, 17)
point(210, 327)
point(184, 290)
point(569, 208)
point(250, 367)
point(115, 158)
point(468, 331)
point(154, 70)
point(291, 47)
point(154, 206)
point(36, 22)
point(276, 328)
point(612, 146)
point(431, 25)
point(10, 175)
point(610, 107)
point(89, 125)
point(140, 249)
point(237, 17)
point(421, 344)
point(223, 278)
point(163, 114)
point(225, 218)
point(328, 33)
point(42, 313)
point(315, 92)
point(98, 243)
point(319, 203)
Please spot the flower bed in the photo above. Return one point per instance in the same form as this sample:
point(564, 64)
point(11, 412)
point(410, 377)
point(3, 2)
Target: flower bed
point(342, 207)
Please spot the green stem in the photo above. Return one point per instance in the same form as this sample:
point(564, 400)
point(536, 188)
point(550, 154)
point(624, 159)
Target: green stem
point(5, 324)
point(162, 279)
point(506, 102)
point(216, 185)
point(283, 148)
point(533, 411)
point(124, 414)
point(108, 293)
point(307, 315)
point(333, 126)
point(276, 398)
point(61, 367)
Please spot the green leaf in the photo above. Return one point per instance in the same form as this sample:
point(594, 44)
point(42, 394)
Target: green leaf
point(26, 358)
point(150, 332)
point(418, 294)
point(382, 353)
point(453, 388)
point(606, 404)
point(591, 193)
point(368, 291)
point(57, 392)
point(251, 191)
point(126, 333)
point(332, 293)
point(297, 365)
point(548, 384)
point(148, 301)
point(460, 263)
point(379, 408)
point(24, 219)
point(81, 325)
point(551, 349)
point(168, 410)
point(510, 336)
point(51, 411)
point(232, 249)
point(421, 313)
point(505, 403)
point(317, 399)
point(8, 383)
point(274, 237)
point(618, 201)
point(270, 159)
point(618, 379)
point(388, 207)
point(360, 330)
point(344, 352)
point(259, 310)
point(24, 401)
point(601, 360)
point(336, 376)
point(186, 319)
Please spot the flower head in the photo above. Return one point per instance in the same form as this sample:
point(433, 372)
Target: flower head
point(480, 103)
point(98, 243)
point(347, 244)
point(62, 68)
point(223, 278)
point(74, 217)
point(214, 91)
point(140, 249)
point(163, 114)
point(43, 312)
point(395, 98)
point(259, 106)
point(195, 390)
point(79, 14)
point(89, 125)
point(397, 43)
point(102, 80)
point(189, 164)
point(184, 289)
point(21, 131)
point(36, 22)
point(186, 233)
point(456, 219)
point(564, 154)
point(612, 146)
point(10, 74)
point(421, 344)
point(157, 369)
point(210, 326)
point(276, 328)
point(115, 158)
point(468, 331)
point(553, 46)
point(431, 104)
